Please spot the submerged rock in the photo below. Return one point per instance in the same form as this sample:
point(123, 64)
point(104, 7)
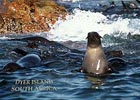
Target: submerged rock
point(26, 16)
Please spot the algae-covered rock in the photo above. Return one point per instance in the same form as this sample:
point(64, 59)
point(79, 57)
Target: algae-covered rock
point(26, 16)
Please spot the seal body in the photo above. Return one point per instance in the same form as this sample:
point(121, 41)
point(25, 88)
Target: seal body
point(95, 60)
point(27, 61)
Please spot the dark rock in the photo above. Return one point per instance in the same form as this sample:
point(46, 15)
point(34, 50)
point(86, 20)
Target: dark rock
point(117, 53)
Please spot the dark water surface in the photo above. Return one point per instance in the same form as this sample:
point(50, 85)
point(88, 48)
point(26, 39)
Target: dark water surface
point(58, 81)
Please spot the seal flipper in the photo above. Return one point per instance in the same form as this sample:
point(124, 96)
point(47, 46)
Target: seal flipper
point(112, 70)
point(116, 64)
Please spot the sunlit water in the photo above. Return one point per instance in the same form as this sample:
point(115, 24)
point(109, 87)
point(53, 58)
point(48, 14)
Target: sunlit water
point(62, 82)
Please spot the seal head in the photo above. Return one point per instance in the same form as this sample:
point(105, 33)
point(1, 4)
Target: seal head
point(94, 39)
point(11, 67)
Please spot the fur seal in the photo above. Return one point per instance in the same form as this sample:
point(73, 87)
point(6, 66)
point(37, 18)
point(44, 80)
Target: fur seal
point(95, 60)
point(36, 58)
point(26, 61)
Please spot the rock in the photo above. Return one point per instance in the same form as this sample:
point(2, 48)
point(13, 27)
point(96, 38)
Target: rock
point(11, 25)
point(1, 22)
point(3, 9)
point(29, 16)
point(19, 10)
point(114, 53)
point(4, 2)
point(133, 37)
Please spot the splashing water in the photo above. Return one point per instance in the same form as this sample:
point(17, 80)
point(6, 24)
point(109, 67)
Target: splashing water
point(77, 25)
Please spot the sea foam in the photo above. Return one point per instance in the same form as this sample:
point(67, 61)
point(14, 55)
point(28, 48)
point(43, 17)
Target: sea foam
point(80, 22)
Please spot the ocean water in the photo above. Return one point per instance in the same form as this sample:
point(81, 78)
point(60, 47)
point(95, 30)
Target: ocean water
point(58, 80)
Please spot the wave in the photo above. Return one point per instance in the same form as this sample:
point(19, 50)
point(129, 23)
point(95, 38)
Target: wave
point(80, 22)
point(4, 37)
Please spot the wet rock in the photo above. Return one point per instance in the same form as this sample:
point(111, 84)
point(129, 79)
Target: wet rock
point(32, 45)
point(1, 22)
point(133, 37)
point(114, 53)
point(29, 16)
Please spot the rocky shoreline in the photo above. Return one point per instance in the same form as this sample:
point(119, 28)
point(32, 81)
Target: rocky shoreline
point(29, 16)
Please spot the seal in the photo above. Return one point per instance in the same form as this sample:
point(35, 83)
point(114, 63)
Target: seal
point(27, 61)
point(95, 60)
point(33, 59)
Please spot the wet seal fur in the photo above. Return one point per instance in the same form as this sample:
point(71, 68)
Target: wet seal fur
point(29, 60)
point(95, 60)
point(26, 61)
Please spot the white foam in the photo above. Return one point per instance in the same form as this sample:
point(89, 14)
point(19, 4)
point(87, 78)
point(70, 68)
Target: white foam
point(4, 37)
point(77, 25)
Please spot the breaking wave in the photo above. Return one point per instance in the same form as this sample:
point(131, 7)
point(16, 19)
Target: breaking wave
point(80, 22)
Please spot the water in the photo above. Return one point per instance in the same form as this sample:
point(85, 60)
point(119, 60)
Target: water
point(57, 80)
